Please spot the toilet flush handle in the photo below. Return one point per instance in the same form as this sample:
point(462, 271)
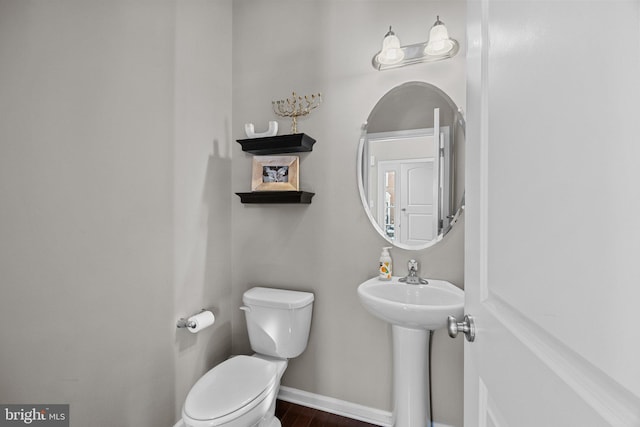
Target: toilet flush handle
point(245, 308)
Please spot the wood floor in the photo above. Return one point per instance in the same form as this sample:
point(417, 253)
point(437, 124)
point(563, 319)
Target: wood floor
point(292, 415)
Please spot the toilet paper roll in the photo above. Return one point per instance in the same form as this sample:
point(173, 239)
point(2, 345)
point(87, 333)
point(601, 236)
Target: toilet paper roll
point(200, 321)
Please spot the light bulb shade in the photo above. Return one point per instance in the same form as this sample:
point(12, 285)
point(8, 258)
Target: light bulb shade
point(391, 52)
point(439, 41)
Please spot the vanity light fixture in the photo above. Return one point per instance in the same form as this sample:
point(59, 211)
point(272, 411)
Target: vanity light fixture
point(439, 46)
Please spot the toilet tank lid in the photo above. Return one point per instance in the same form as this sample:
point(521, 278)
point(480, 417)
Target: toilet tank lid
point(277, 298)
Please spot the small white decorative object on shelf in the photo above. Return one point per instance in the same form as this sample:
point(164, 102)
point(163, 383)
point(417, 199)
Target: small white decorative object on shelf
point(251, 133)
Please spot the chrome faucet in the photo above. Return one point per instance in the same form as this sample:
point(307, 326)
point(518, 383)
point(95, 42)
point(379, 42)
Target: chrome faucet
point(412, 277)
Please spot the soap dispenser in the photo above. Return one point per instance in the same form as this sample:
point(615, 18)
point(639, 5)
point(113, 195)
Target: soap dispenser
point(386, 264)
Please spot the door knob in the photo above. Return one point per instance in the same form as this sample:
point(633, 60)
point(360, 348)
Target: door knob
point(467, 327)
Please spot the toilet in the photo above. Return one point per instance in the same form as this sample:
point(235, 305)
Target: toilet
point(242, 391)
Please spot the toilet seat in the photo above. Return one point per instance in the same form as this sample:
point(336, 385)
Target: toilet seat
point(230, 389)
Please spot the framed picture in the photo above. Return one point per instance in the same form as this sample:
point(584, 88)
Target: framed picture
point(275, 173)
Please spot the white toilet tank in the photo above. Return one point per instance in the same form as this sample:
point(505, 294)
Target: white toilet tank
point(278, 321)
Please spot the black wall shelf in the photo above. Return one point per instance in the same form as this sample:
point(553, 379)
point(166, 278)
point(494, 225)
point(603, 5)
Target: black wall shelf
point(293, 143)
point(301, 197)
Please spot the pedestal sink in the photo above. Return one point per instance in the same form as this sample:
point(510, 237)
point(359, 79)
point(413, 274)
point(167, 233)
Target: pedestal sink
point(413, 311)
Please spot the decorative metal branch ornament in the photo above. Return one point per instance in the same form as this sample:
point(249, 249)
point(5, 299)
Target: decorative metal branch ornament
point(296, 106)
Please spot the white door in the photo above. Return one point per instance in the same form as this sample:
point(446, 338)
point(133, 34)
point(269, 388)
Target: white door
point(418, 201)
point(408, 200)
point(552, 263)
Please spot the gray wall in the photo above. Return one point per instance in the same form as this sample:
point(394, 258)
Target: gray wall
point(201, 186)
point(329, 247)
point(115, 188)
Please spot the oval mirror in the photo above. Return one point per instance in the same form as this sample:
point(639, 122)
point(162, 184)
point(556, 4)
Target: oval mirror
point(411, 165)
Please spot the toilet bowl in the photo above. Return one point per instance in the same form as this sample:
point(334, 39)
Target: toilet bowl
point(251, 385)
point(242, 391)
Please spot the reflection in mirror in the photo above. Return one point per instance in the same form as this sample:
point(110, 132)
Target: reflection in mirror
point(411, 165)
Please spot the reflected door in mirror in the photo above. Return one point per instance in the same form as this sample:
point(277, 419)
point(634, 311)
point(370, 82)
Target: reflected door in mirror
point(408, 202)
point(419, 195)
point(406, 182)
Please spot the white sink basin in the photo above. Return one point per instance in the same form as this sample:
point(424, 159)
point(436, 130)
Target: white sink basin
point(412, 306)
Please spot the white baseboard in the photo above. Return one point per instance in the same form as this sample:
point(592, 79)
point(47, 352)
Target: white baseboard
point(336, 406)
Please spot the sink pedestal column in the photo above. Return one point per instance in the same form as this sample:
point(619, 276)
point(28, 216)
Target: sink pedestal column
point(410, 377)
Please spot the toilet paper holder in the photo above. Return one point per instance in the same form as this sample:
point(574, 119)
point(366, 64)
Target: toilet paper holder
point(185, 323)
